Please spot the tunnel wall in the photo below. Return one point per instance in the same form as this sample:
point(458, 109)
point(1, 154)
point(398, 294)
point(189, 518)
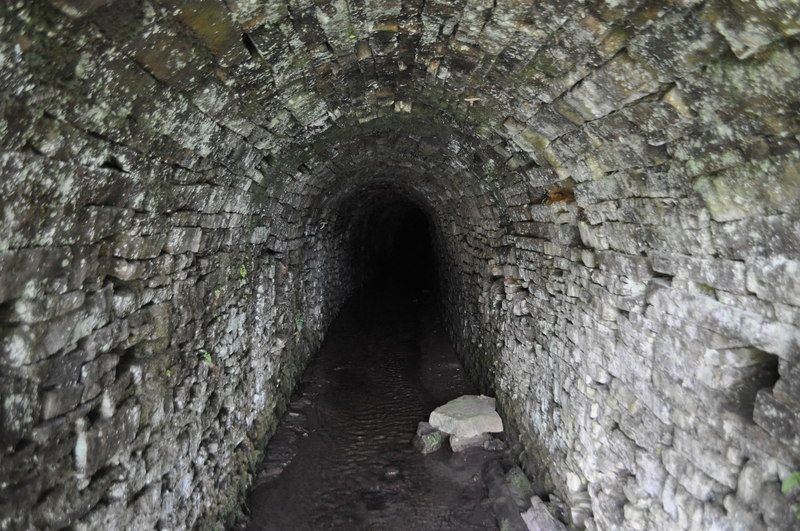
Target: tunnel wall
point(638, 320)
point(613, 188)
point(154, 317)
point(152, 330)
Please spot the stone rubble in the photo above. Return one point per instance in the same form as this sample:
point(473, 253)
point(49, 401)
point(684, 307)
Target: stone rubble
point(466, 422)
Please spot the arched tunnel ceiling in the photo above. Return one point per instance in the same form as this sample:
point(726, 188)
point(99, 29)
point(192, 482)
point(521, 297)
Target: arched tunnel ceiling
point(585, 88)
point(438, 163)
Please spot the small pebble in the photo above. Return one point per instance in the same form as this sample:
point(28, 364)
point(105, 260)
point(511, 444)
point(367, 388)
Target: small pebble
point(391, 473)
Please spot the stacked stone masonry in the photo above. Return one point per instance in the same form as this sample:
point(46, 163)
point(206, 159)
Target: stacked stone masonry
point(614, 195)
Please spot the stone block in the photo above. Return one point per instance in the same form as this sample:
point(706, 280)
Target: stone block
point(705, 458)
point(750, 328)
point(750, 27)
point(685, 474)
point(183, 239)
point(538, 518)
point(722, 274)
point(105, 439)
point(61, 400)
point(18, 267)
point(780, 420)
point(760, 187)
point(78, 8)
point(138, 247)
point(467, 416)
point(461, 443)
point(634, 267)
point(428, 439)
point(776, 278)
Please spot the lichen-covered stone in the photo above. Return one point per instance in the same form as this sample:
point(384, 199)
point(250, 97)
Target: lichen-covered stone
point(428, 439)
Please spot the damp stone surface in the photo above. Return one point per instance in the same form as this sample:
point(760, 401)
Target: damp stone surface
point(190, 191)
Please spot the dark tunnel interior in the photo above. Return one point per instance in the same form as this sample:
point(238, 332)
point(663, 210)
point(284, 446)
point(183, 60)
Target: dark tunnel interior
point(384, 364)
point(249, 247)
point(392, 248)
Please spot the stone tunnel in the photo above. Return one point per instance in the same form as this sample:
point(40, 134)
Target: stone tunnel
point(190, 191)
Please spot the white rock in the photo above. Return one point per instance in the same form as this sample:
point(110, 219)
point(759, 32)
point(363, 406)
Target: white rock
point(467, 416)
point(459, 444)
point(574, 483)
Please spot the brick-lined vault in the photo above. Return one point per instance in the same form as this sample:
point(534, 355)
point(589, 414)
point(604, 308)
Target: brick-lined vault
point(612, 191)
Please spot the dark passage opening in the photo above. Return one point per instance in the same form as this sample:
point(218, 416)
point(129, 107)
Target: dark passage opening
point(342, 457)
point(392, 246)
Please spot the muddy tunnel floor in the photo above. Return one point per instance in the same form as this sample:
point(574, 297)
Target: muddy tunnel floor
point(342, 457)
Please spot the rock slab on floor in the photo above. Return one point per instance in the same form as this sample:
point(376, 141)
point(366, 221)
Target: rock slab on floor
point(467, 416)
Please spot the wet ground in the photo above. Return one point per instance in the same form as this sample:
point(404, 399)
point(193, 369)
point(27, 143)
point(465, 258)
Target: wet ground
point(343, 459)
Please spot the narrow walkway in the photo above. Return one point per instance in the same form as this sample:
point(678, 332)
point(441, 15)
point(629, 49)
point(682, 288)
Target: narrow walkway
point(342, 458)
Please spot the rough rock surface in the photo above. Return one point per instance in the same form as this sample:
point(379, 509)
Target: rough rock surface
point(494, 445)
point(613, 194)
point(519, 485)
point(538, 518)
point(459, 444)
point(467, 416)
point(428, 439)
